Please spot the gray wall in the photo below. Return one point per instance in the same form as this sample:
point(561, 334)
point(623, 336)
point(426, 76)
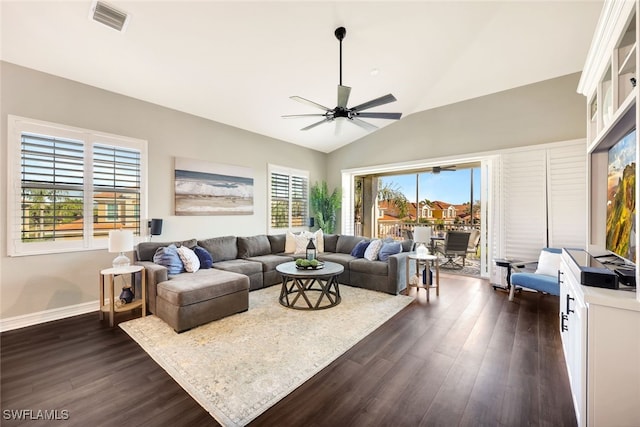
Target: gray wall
point(35, 283)
point(539, 113)
point(548, 111)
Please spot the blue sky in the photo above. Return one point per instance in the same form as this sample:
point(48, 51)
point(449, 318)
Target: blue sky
point(448, 186)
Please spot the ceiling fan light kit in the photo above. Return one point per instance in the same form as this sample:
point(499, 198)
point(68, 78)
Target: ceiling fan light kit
point(353, 114)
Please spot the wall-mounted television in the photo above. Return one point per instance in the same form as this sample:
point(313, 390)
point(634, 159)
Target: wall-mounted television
point(621, 197)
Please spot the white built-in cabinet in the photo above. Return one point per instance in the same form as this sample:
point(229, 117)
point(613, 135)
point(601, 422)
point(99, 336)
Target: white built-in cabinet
point(573, 329)
point(600, 328)
point(600, 331)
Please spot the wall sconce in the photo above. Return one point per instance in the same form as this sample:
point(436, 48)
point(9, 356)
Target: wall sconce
point(155, 227)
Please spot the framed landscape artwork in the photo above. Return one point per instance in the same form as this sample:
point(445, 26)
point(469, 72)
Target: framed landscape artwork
point(205, 188)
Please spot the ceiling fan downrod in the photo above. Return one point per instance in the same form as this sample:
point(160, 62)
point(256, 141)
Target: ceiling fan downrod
point(340, 33)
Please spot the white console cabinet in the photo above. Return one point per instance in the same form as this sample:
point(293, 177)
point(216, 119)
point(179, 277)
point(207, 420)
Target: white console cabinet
point(600, 330)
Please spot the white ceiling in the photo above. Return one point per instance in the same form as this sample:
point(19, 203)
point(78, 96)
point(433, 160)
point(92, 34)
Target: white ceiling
point(237, 62)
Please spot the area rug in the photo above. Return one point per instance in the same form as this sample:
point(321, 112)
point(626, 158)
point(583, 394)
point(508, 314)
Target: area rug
point(240, 366)
point(471, 268)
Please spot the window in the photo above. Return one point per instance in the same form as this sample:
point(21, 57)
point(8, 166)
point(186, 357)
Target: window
point(59, 176)
point(288, 197)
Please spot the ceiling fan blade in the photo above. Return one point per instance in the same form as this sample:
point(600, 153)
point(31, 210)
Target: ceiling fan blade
point(390, 116)
point(311, 126)
point(343, 96)
point(313, 104)
point(364, 125)
point(375, 102)
point(293, 116)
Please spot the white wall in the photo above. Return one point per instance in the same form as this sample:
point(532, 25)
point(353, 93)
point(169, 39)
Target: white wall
point(38, 283)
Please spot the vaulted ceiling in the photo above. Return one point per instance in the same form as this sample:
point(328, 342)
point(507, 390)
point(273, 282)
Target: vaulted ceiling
point(238, 62)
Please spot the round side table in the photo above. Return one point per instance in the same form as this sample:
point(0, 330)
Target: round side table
point(111, 273)
point(425, 261)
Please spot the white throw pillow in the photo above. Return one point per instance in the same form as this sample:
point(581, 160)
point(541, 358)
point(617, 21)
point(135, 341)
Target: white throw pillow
point(189, 259)
point(301, 243)
point(548, 263)
point(318, 239)
point(290, 243)
point(371, 253)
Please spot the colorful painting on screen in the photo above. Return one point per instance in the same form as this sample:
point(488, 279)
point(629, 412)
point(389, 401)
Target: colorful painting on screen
point(621, 197)
point(205, 188)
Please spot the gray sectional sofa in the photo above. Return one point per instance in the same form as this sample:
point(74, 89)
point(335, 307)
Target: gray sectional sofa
point(242, 264)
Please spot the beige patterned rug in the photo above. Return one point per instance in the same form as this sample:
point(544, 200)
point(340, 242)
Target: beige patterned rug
point(240, 366)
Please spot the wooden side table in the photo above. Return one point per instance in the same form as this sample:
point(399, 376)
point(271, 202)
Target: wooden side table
point(119, 271)
point(425, 261)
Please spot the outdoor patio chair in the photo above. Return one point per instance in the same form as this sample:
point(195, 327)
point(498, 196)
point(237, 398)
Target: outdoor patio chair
point(474, 241)
point(454, 249)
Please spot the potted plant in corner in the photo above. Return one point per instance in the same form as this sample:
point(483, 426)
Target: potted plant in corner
point(324, 206)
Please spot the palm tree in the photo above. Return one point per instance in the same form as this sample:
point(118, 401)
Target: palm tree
point(325, 206)
point(391, 193)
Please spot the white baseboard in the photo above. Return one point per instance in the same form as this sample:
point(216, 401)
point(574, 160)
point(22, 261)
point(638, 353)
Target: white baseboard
point(31, 319)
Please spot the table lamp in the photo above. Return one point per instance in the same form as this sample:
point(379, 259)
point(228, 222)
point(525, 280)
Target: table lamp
point(421, 237)
point(120, 241)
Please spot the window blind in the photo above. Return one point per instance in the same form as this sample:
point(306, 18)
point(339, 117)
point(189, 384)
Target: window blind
point(67, 187)
point(52, 190)
point(279, 200)
point(524, 224)
point(289, 198)
point(567, 190)
point(116, 189)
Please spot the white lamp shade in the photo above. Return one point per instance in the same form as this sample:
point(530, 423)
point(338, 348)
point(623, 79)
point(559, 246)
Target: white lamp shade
point(120, 241)
point(422, 234)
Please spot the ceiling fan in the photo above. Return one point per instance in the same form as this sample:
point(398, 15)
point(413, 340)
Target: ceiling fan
point(353, 114)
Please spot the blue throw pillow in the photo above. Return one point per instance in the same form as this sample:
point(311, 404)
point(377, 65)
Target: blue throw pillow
point(359, 249)
point(389, 249)
point(206, 261)
point(168, 257)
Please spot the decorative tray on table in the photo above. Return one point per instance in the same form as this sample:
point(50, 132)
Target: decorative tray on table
point(317, 266)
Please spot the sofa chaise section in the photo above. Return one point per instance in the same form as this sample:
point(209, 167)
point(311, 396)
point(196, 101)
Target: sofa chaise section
point(193, 299)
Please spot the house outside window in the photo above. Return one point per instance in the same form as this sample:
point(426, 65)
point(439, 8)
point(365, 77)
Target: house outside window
point(60, 175)
point(288, 198)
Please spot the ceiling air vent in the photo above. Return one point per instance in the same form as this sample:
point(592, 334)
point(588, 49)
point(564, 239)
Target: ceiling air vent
point(108, 15)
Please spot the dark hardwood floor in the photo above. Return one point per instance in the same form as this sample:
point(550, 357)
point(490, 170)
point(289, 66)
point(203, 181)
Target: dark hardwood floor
point(467, 358)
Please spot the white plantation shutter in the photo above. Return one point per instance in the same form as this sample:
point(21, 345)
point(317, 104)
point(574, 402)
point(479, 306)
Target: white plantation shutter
point(52, 188)
point(116, 188)
point(279, 203)
point(567, 177)
point(288, 198)
point(524, 227)
point(543, 200)
point(68, 187)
